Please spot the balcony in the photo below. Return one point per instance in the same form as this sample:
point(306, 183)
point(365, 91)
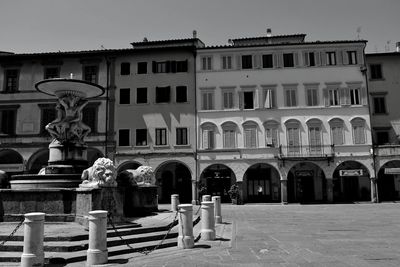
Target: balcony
point(323, 152)
point(387, 150)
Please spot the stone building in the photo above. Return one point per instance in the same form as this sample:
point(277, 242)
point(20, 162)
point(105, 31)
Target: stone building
point(286, 119)
point(24, 112)
point(384, 93)
point(155, 113)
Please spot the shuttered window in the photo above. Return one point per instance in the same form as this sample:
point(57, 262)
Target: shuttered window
point(207, 101)
point(337, 135)
point(161, 137)
point(229, 138)
point(228, 99)
point(7, 122)
point(293, 139)
point(208, 139)
point(250, 137)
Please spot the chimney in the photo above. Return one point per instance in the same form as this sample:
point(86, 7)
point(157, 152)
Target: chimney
point(398, 47)
point(145, 39)
point(269, 32)
point(194, 34)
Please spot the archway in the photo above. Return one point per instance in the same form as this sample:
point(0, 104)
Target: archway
point(38, 160)
point(11, 162)
point(351, 182)
point(93, 154)
point(128, 165)
point(389, 181)
point(306, 183)
point(174, 178)
point(261, 183)
point(217, 180)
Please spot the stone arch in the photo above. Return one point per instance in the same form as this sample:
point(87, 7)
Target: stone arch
point(217, 180)
point(130, 164)
point(306, 182)
point(10, 156)
point(388, 181)
point(261, 183)
point(351, 182)
point(174, 177)
point(93, 154)
point(38, 160)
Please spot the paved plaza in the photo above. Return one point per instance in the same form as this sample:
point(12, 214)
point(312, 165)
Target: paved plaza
point(294, 235)
point(291, 235)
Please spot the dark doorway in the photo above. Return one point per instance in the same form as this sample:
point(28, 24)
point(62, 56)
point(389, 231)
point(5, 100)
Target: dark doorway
point(218, 179)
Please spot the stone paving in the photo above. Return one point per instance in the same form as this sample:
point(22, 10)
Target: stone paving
point(293, 235)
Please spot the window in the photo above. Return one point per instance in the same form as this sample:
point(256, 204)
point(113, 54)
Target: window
point(293, 138)
point(51, 72)
point(160, 67)
point(330, 58)
point(247, 62)
point(352, 57)
point(181, 66)
point(141, 67)
point(358, 125)
point(226, 62)
point(8, 119)
point(311, 59)
point(250, 135)
point(181, 94)
point(48, 114)
point(379, 105)
point(124, 96)
point(208, 139)
point(11, 80)
point(163, 94)
point(248, 100)
point(382, 137)
point(229, 134)
point(271, 133)
point(314, 133)
point(228, 100)
point(376, 71)
point(125, 68)
point(141, 95)
point(290, 97)
point(355, 96)
point(161, 137)
point(141, 137)
point(89, 116)
point(269, 98)
point(333, 96)
point(124, 137)
point(312, 97)
point(267, 61)
point(337, 133)
point(288, 60)
point(90, 73)
point(207, 101)
point(181, 136)
point(206, 63)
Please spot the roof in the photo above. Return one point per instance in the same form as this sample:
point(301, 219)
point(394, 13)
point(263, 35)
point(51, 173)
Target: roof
point(271, 37)
point(168, 43)
point(383, 54)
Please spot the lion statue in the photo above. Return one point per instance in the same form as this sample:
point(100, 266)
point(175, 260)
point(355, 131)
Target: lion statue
point(144, 175)
point(101, 174)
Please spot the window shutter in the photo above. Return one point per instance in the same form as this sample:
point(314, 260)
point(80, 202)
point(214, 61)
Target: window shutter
point(253, 137)
point(257, 61)
point(317, 58)
point(326, 97)
point(296, 59)
point(240, 100)
point(205, 139)
point(343, 96)
point(239, 62)
point(339, 57)
point(360, 56)
point(346, 58)
point(322, 58)
point(154, 67)
point(305, 59)
point(364, 96)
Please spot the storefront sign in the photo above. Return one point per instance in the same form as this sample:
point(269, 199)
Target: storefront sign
point(392, 170)
point(357, 172)
point(304, 173)
point(12, 167)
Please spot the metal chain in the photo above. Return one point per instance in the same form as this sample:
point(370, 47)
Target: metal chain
point(198, 209)
point(13, 232)
point(144, 251)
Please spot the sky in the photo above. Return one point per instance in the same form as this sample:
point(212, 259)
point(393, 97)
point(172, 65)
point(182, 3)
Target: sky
point(30, 26)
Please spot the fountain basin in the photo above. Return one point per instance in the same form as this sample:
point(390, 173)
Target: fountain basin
point(35, 181)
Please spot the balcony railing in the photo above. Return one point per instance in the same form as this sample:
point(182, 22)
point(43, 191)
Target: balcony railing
point(387, 150)
point(301, 152)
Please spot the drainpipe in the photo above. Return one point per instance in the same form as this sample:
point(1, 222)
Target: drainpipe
point(107, 103)
point(195, 125)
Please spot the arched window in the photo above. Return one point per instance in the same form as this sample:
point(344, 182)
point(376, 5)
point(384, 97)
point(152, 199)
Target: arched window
point(337, 131)
point(250, 134)
point(229, 134)
point(293, 136)
point(208, 135)
point(271, 133)
point(314, 135)
point(358, 126)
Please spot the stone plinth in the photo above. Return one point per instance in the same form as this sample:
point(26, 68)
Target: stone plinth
point(139, 200)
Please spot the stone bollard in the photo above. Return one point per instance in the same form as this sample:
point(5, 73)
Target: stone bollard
point(185, 227)
point(206, 198)
point(217, 209)
point(174, 202)
point(33, 254)
point(97, 252)
point(207, 221)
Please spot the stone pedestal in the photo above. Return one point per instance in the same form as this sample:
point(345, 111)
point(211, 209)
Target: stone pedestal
point(217, 209)
point(207, 221)
point(97, 252)
point(69, 154)
point(140, 200)
point(174, 202)
point(185, 227)
point(33, 254)
point(206, 198)
point(284, 199)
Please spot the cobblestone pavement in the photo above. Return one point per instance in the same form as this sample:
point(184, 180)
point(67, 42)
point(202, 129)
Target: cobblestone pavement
point(293, 235)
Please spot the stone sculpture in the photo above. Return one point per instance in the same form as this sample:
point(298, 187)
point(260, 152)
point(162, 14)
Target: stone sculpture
point(144, 175)
point(101, 174)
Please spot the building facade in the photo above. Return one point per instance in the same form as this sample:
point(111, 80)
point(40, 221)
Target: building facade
point(384, 85)
point(155, 113)
point(285, 119)
point(24, 112)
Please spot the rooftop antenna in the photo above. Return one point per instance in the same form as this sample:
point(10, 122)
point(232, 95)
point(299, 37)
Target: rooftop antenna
point(358, 32)
point(102, 47)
